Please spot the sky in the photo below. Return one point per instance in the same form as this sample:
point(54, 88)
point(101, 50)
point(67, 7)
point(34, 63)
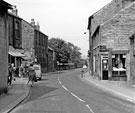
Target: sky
point(64, 19)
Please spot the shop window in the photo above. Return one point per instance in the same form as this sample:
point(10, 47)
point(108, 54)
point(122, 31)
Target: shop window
point(118, 65)
point(118, 61)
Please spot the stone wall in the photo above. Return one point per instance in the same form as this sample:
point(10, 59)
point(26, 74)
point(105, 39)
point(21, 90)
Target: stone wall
point(27, 35)
point(132, 61)
point(107, 12)
point(115, 33)
point(3, 52)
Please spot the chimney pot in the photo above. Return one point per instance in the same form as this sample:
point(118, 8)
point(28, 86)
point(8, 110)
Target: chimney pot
point(15, 11)
point(33, 22)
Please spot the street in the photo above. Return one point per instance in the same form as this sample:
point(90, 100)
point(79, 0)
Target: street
point(65, 92)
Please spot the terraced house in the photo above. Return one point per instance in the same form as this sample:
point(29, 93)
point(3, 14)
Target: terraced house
point(111, 32)
point(15, 38)
point(4, 6)
point(34, 44)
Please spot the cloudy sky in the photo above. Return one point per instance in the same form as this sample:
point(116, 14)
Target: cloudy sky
point(65, 19)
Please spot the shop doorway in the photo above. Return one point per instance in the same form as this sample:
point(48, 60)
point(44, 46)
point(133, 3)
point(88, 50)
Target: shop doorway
point(104, 67)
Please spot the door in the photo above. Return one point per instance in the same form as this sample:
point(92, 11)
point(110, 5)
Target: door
point(104, 69)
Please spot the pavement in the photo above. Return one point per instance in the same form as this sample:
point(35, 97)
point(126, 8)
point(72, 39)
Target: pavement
point(19, 91)
point(117, 88)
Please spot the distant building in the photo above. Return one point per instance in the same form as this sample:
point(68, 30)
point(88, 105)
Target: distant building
point(51, 59)
point(4, 6)
point(41, 48)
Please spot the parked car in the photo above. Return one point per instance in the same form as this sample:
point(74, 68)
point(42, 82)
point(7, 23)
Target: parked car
point(37, 68)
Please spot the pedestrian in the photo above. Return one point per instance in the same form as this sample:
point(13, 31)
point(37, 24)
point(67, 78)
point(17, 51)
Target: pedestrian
point(21, 71)
point(83, 70)
point(14, 70)
point(31, 74)
point(10, 72)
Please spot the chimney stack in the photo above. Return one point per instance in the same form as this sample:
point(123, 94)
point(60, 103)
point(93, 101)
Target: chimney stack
point(15, 11)
point(37, 26)
point(33, 22)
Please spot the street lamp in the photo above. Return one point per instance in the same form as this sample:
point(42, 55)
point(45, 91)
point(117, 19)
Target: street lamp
point(89, 52)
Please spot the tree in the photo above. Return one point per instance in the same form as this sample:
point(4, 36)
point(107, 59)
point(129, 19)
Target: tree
point(59, 46)
point(66, 51)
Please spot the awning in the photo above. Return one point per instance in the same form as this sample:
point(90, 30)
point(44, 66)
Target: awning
point(26, 58)
point(14, 52)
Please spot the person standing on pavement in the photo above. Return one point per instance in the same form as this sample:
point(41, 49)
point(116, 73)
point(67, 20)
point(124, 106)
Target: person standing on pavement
point(13, 73)
point(21, 70)
point(31, 74)
point(10, 74)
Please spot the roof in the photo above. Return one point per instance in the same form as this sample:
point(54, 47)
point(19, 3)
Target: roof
point(5, 4)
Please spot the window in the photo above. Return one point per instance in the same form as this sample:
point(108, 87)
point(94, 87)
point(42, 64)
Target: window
point(118, 61)
point(16, 25)
point(17, 30)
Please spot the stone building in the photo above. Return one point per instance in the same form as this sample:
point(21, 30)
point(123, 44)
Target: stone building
point(51, 59)
point(27, 42)
point(110, 29)
point(4, 6)
point(34, 44)
point(41, 49)
point(132, 59)
point(15, 38)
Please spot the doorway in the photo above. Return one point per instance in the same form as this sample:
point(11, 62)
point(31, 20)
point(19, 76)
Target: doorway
point(104, 67)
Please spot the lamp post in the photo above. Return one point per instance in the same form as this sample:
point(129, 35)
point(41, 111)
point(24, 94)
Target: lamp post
point(89, 52)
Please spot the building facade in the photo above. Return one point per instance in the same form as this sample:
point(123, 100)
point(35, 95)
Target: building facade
point(51, 59)
point(28, 42)
point(4, 6)
point(41, 49)
point(132, 59)
point(110, 29)
point(34, 44)
point(15, 39)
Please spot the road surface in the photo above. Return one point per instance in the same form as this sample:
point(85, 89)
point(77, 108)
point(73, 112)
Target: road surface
point(67, 93)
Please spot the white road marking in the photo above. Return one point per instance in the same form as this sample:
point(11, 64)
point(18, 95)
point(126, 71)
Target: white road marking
point(59, 80)
point(89, 108)
point(77, 97)
point(64, 87)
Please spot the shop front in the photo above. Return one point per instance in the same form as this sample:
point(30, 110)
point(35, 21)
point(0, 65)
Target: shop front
point(119, 66)
point(113, 65)
point(14, 56)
